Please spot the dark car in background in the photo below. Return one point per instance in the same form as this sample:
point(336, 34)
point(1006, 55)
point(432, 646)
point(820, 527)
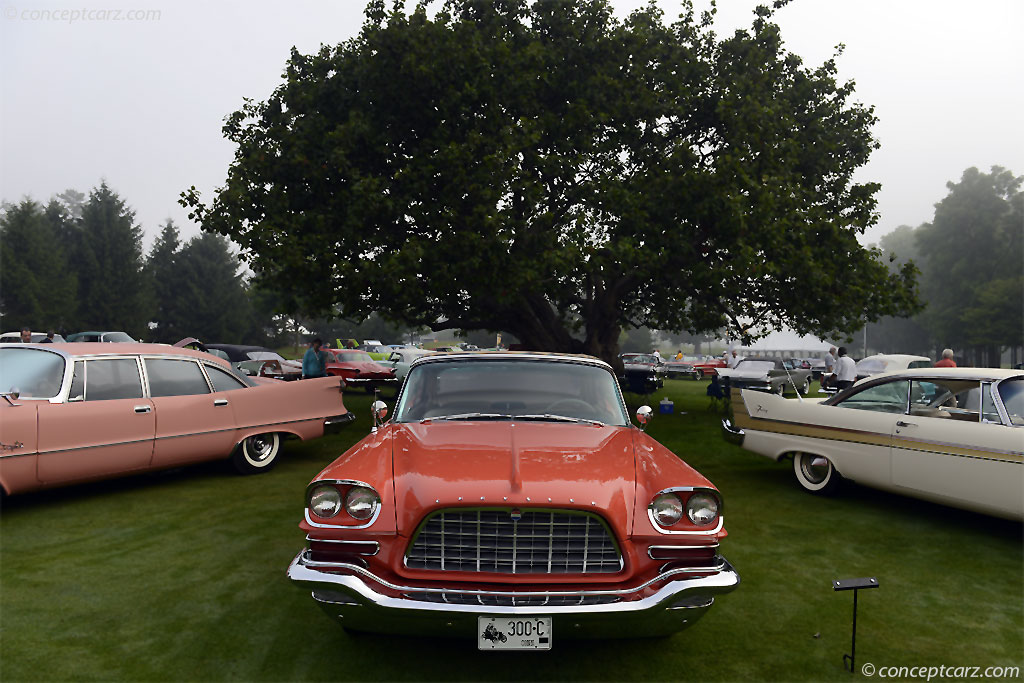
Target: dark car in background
point(93, 336)
point(676, 369)
point(774, 375)
point(642, 373)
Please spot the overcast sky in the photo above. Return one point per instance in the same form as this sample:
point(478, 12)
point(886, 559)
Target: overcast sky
point(138, 99)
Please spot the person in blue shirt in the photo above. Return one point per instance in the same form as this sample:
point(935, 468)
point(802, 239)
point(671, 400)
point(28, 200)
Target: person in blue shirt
point(314, 361)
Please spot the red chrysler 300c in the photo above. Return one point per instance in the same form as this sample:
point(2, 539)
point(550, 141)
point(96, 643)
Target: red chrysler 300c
point(510, 497)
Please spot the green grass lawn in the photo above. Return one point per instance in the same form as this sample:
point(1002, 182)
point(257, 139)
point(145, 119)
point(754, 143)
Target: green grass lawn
point(180, 576)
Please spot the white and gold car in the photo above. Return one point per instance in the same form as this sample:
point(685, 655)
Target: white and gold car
point(950, 435)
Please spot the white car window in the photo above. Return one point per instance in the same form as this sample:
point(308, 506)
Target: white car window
point(890, 397)
point(1012, 394)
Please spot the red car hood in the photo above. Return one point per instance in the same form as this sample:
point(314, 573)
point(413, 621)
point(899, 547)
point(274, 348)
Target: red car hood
point(452, 464)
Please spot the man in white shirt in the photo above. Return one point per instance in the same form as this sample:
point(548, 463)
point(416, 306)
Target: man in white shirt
point(845, 370)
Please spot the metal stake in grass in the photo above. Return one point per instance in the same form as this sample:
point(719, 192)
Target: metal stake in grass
point(853, 585)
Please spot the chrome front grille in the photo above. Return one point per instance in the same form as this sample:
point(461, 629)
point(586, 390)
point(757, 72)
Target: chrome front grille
point(542, 541)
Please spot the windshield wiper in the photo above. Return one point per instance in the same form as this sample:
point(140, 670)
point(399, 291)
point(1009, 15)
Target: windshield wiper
point(469, 416)
point(557, 418)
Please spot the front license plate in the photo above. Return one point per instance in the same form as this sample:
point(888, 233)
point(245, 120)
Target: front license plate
point(514, 633)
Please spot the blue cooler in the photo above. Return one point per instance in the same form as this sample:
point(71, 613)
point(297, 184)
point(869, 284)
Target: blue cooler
point(666, 406)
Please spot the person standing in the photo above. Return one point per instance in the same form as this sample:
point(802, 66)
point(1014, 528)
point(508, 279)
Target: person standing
point(947, 359)
point(48, 339)
point(827, 377)
point(732, 359)
point(845, 370)
point(314, 361)
point(26, 335)
point(656, 354)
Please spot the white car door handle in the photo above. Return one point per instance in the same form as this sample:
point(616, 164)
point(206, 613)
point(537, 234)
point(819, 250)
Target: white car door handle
point(901, 423)
point(220, 401)
point(143, 409)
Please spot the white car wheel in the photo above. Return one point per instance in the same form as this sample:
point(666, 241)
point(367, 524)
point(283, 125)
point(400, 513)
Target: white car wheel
point(781, 389)
point(815, 473)
point(805, 388)
point(257, 453)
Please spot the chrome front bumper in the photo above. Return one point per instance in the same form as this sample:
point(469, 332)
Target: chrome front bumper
point(732, 434)
point(354, 599)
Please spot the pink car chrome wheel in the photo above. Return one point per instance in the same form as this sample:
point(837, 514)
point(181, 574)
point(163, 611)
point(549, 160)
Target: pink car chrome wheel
point(257, 453)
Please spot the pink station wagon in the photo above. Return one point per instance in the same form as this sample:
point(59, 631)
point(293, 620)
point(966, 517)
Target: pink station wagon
point(71, 413)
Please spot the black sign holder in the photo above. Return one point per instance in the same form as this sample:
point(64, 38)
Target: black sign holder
point(853, 585)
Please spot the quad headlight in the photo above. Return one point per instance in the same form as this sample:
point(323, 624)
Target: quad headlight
point(667, 509)
point(702, 508)
point(325, 501)
point(361, 502)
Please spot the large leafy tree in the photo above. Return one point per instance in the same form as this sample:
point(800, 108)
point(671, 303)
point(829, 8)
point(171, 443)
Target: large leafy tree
point(557, 173)
point(972, 265)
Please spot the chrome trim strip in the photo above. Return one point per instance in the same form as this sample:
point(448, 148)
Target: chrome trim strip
point(343, 482)
point(708, 532)
point(881, 435)
point(721, 566)
point(375, 544)
point(712, 546)
point(160, 438)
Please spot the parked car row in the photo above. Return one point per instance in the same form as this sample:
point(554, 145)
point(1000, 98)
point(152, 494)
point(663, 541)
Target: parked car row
point(79, 412)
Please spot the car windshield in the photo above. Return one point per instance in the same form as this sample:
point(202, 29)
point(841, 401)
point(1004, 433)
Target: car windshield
point(639, 358)
point(32, 372)
point(118, 337)
point(755, 365)
point(264, 355)
point(354, 357)
point(503, 389)
point(871, 366)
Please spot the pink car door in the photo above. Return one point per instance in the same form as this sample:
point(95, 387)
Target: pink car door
point(192, 422)
point(106, 428)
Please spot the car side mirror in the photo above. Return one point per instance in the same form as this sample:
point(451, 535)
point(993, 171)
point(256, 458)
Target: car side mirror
point(12, 396)
point(643, 416)
point(380, 411)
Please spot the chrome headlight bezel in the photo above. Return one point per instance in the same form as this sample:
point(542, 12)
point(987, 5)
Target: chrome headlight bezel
point(361, 503)
point(324, 501)
point(703, 508)
point(666, 509)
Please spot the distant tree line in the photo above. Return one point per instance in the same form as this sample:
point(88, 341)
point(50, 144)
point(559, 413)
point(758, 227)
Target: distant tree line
point(971, 258)
point(77, 263)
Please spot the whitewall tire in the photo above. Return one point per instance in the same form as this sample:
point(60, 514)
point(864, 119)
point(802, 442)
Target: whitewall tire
point(257, 453)
point(815, 473)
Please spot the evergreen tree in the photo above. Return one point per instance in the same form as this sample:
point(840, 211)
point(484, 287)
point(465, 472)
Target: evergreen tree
point(211, 292)
point(161, 267)
point(36, 288)
point(113, 289)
